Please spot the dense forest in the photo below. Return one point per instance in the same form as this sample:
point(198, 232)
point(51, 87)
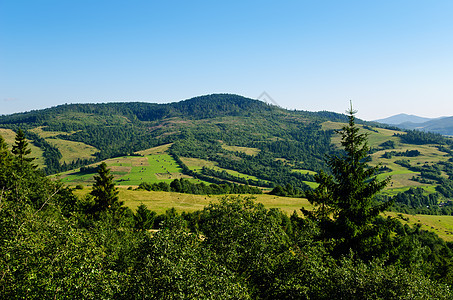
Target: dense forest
point(199, 127)
point(56, 245)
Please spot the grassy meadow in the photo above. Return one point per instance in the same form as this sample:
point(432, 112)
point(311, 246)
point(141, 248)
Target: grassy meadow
point(132, 170)
point(161, 201)
point(10, 137)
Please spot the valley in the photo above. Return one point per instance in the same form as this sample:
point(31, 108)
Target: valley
point(219, 139)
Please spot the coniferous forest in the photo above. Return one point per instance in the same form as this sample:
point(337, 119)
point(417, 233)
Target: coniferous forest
point(56, 245)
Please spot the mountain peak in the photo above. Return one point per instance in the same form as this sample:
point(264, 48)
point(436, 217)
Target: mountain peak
point(403, 118)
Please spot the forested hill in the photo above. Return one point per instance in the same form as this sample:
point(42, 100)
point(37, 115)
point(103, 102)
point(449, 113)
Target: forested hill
point(226, 138)
point(201, 127)
point(209, 106)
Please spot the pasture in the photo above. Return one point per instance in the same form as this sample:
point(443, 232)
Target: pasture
point(131, 171)
point(442, 225)
point(162, 201)
point(10, 138)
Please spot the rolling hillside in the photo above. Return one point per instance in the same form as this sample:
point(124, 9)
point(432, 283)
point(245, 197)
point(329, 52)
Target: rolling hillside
point(218, 138)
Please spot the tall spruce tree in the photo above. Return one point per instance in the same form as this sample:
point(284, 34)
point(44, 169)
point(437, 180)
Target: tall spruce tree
point(344, 202)
point(21, 149)
point(104, 191)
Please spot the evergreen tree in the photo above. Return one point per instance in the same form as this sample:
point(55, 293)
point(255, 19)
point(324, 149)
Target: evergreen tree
point(21, 149)
point(104, 191)
point(344, 201)
point(144, 218)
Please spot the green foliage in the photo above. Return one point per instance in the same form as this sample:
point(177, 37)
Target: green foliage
point(237, 249)
point(104, 192)
point(246, 237)
point(344, 201)
point(407, 153)
point(286, 191)
point(421, 138)
point(174, 264)
point(185, 186)
point(144, 218)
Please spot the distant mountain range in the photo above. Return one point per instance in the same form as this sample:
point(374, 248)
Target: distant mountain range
point(403, 118)
point(442, 125)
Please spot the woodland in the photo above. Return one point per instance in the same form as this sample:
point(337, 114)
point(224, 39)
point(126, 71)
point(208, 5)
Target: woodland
point(56, 245)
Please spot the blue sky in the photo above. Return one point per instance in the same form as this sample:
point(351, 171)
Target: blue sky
point(388, 57)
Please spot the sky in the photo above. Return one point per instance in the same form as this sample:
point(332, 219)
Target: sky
point(387, 57)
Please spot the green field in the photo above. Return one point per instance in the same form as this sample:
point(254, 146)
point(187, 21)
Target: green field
point(132, 170)
point(70, 151)
point(442, 225)
point(161, 201)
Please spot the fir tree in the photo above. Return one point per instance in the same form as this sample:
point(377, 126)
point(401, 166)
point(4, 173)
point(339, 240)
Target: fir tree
point(21, 149)
point(104, 191)
point(344, 201)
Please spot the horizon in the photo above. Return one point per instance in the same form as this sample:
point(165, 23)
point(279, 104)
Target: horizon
point(264, 100)
point(387, 57)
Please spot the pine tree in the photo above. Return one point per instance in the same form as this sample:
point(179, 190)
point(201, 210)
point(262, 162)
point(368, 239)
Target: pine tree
point(144, 218)
point(344, 201)
point(104, 191)
point(21, 149)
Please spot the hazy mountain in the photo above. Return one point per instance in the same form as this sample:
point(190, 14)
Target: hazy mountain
point(442, 125)
point(403, 118)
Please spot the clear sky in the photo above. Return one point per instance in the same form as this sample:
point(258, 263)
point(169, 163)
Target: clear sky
point(388, 57)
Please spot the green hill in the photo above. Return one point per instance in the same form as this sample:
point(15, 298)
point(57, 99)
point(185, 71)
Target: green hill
point(221, 138)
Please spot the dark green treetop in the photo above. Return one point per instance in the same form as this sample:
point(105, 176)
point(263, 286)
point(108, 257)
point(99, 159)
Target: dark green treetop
point(344, 201)
point(104, 191)
point(21, 149)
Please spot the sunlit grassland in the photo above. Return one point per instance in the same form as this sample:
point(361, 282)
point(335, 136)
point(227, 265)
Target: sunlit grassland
point(442, 225)
point(70, 151)
point(374, 138)
point(197, 164)
point(304, 171)
point(10, 138)
point(311, 184)
point(246, 150)
point(400, 176)
point(48, 134)
point(161, 201)
point(162, 149)
point(132, 170)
